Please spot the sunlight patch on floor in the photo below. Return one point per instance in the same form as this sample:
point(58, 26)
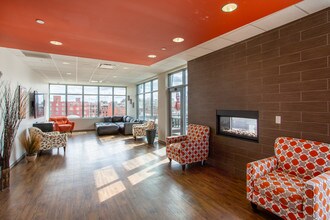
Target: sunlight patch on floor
point(145, 173)
point(108, 192)
point(111, 138)
point(119, 149)
point(76, 133)
point(160, 152)
point(139, 161)
point(105, 176)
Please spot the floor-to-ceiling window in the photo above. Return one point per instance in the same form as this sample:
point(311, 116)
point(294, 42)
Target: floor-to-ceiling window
point(77, 101)
point(147, 96)
point(178, 99)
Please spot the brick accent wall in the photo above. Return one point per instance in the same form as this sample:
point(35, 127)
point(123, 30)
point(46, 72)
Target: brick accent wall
point(283, 72)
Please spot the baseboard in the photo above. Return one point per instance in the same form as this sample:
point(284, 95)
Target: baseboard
point(17, 161)
point(84, 130)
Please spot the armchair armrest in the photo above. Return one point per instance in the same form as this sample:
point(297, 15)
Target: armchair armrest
point(257, 169)
point(72, 123)
point(56, 128)
point(317, 197)
point(138, 126)
point(175, 139)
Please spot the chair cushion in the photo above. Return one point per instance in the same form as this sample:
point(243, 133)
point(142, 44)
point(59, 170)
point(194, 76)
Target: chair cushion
point(128, 118)
point(303, 158)
point(117, 118)
point(59, 119)
point(198, 132)
point(282, 187)
point(65, 127)
point(108, 119)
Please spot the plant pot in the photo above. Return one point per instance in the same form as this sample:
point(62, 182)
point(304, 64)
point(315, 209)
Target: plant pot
point(151, 133)
point(31, 158)
point(5, 178)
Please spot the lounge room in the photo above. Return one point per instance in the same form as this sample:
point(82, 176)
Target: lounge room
point(165, 109)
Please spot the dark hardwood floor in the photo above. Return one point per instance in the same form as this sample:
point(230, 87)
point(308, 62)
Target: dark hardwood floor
point(119, 178)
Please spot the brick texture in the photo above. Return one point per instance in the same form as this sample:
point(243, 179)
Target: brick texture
point(283, 72)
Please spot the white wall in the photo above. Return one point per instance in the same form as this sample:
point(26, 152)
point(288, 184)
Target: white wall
point(162, 107)
point(85, 124)
point(18, 73)
point(131, 91)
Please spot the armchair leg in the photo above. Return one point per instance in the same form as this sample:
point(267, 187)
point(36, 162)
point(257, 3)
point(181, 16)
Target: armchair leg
point(64, 149)
point(170, 160)
point(134, 138)
point(203, 162)
point(184, 167)
point(254, 206)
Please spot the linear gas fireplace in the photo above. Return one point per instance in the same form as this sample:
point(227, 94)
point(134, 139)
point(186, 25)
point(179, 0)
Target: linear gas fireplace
point(238, 124)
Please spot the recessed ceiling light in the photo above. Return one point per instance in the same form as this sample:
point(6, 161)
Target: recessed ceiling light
point(125, 68)
point(114, 76)
point(163, 48)
point(68, 73)
point(178, 40)
point(152, 56)
point(229, 7)
point(65, 63)
point(94, 81)
point(39, 21)
point(56, 43)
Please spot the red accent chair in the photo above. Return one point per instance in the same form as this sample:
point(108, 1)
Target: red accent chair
point(295, 183)
point(62, 124)
point(190, 148)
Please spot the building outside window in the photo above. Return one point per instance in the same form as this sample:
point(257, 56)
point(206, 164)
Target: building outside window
point(56, 98)
point(147, 100)
point(77, 101)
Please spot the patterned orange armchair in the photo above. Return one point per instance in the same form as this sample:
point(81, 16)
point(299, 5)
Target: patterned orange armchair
point(62, 124)
point(295, 183)
point(190, 148)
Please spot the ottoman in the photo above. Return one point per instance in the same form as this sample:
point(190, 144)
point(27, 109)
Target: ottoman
point(106, 128)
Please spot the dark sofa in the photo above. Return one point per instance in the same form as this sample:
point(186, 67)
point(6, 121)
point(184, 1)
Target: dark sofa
point(116, 124)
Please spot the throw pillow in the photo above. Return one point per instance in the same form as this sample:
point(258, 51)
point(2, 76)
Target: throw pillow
point(107, 119)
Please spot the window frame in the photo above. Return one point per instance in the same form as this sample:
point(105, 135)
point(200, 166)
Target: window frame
point(83, 98)
point(184, 89)
point(143, 93)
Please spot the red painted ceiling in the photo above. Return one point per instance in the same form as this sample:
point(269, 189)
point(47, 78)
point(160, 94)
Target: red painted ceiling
point(124, 31)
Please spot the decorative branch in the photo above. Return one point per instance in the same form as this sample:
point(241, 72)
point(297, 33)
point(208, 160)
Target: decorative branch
point(10, 105)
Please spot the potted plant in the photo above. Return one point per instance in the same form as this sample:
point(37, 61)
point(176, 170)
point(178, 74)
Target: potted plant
point(10, 105)
point(31, 145)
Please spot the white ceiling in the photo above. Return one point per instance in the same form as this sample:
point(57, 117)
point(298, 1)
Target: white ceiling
point(85, 71)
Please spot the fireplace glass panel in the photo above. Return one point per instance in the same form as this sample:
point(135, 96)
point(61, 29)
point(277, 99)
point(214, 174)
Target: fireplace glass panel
point(239, 126)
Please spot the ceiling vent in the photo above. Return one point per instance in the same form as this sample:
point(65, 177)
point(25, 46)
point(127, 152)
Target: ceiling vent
point(107, 66)
point(36, 54)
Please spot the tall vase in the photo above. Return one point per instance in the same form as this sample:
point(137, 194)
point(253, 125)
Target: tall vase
point(5, 179)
